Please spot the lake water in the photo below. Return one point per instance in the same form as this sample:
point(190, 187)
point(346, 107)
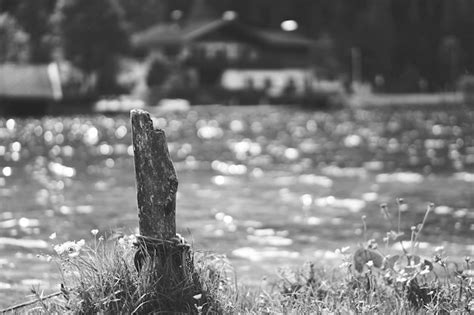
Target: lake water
point(269, 186)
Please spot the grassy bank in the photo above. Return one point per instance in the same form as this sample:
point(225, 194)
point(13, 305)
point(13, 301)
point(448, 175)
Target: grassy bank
point(100, 277)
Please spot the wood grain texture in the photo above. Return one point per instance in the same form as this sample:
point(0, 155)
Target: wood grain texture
point(156, 178)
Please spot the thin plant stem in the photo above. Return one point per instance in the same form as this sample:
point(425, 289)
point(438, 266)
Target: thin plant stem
point(28, 303)
point(428, 210)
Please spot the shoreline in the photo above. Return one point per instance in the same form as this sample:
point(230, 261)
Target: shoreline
point(406, 99)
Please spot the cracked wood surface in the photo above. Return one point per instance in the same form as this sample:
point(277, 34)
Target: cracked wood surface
point(156, 178)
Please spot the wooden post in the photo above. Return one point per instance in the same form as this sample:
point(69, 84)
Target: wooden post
point(163, 259)
point(157, 183)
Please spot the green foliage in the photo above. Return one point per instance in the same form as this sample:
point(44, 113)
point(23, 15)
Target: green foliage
point(411, 45)
point(160, 70)
point(144, 13)
point(34, 17)
point(102, 279)
point(92, 35)
point(14, 42)
point(373, 282)
point(90, 31)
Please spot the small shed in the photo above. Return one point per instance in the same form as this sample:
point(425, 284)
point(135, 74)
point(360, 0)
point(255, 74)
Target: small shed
point(29, 89)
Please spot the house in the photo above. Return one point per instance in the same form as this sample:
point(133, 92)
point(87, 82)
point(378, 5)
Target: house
point(29, 89)
point(229, 42)
point(209, 48)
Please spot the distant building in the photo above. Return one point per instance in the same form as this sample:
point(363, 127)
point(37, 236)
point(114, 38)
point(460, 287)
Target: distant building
point(209, 48)
point(227, 42)
point(58, 87)
point(29, 89)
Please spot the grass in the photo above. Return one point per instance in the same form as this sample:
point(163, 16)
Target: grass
point(102, 277)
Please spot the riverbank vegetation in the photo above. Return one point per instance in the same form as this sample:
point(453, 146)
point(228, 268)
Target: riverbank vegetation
point(304, 179)
point(99, 276)
point(370, 34)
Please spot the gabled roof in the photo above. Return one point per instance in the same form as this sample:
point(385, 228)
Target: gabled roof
point(169, 34)
point(281, 38)
point(172, 34)
point(29, 82)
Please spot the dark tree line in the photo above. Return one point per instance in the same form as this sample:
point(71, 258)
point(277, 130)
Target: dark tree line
point(400, 45)
point(412, 44)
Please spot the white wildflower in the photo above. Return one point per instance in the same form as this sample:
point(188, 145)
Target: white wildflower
point(342, 250)
point(132, 239)
point(425, 270)
point(401, 278)
point(127, 241)
point(345, 265)
point(70, 248)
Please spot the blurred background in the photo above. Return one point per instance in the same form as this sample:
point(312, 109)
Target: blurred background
point(213, 51)
point(287, 120)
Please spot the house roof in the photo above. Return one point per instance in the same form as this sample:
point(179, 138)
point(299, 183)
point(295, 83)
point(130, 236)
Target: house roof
point(27, 82)
point(282, 38)
point(172, 34)
point(169, 34)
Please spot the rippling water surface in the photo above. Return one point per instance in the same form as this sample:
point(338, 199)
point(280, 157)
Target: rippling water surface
point(268, 186)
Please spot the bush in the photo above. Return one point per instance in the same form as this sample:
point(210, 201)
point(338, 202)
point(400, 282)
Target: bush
point(466, 86)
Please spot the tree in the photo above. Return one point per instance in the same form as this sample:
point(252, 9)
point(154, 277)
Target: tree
point(92, 35)
point(374, 34)
point(451, 60)
point(202, 10)
point(144, 13)
point(34, 16)
point(14, 42)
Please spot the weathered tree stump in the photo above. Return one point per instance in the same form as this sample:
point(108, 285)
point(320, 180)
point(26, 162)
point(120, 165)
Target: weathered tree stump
point(157, 183)
point(163, 258)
